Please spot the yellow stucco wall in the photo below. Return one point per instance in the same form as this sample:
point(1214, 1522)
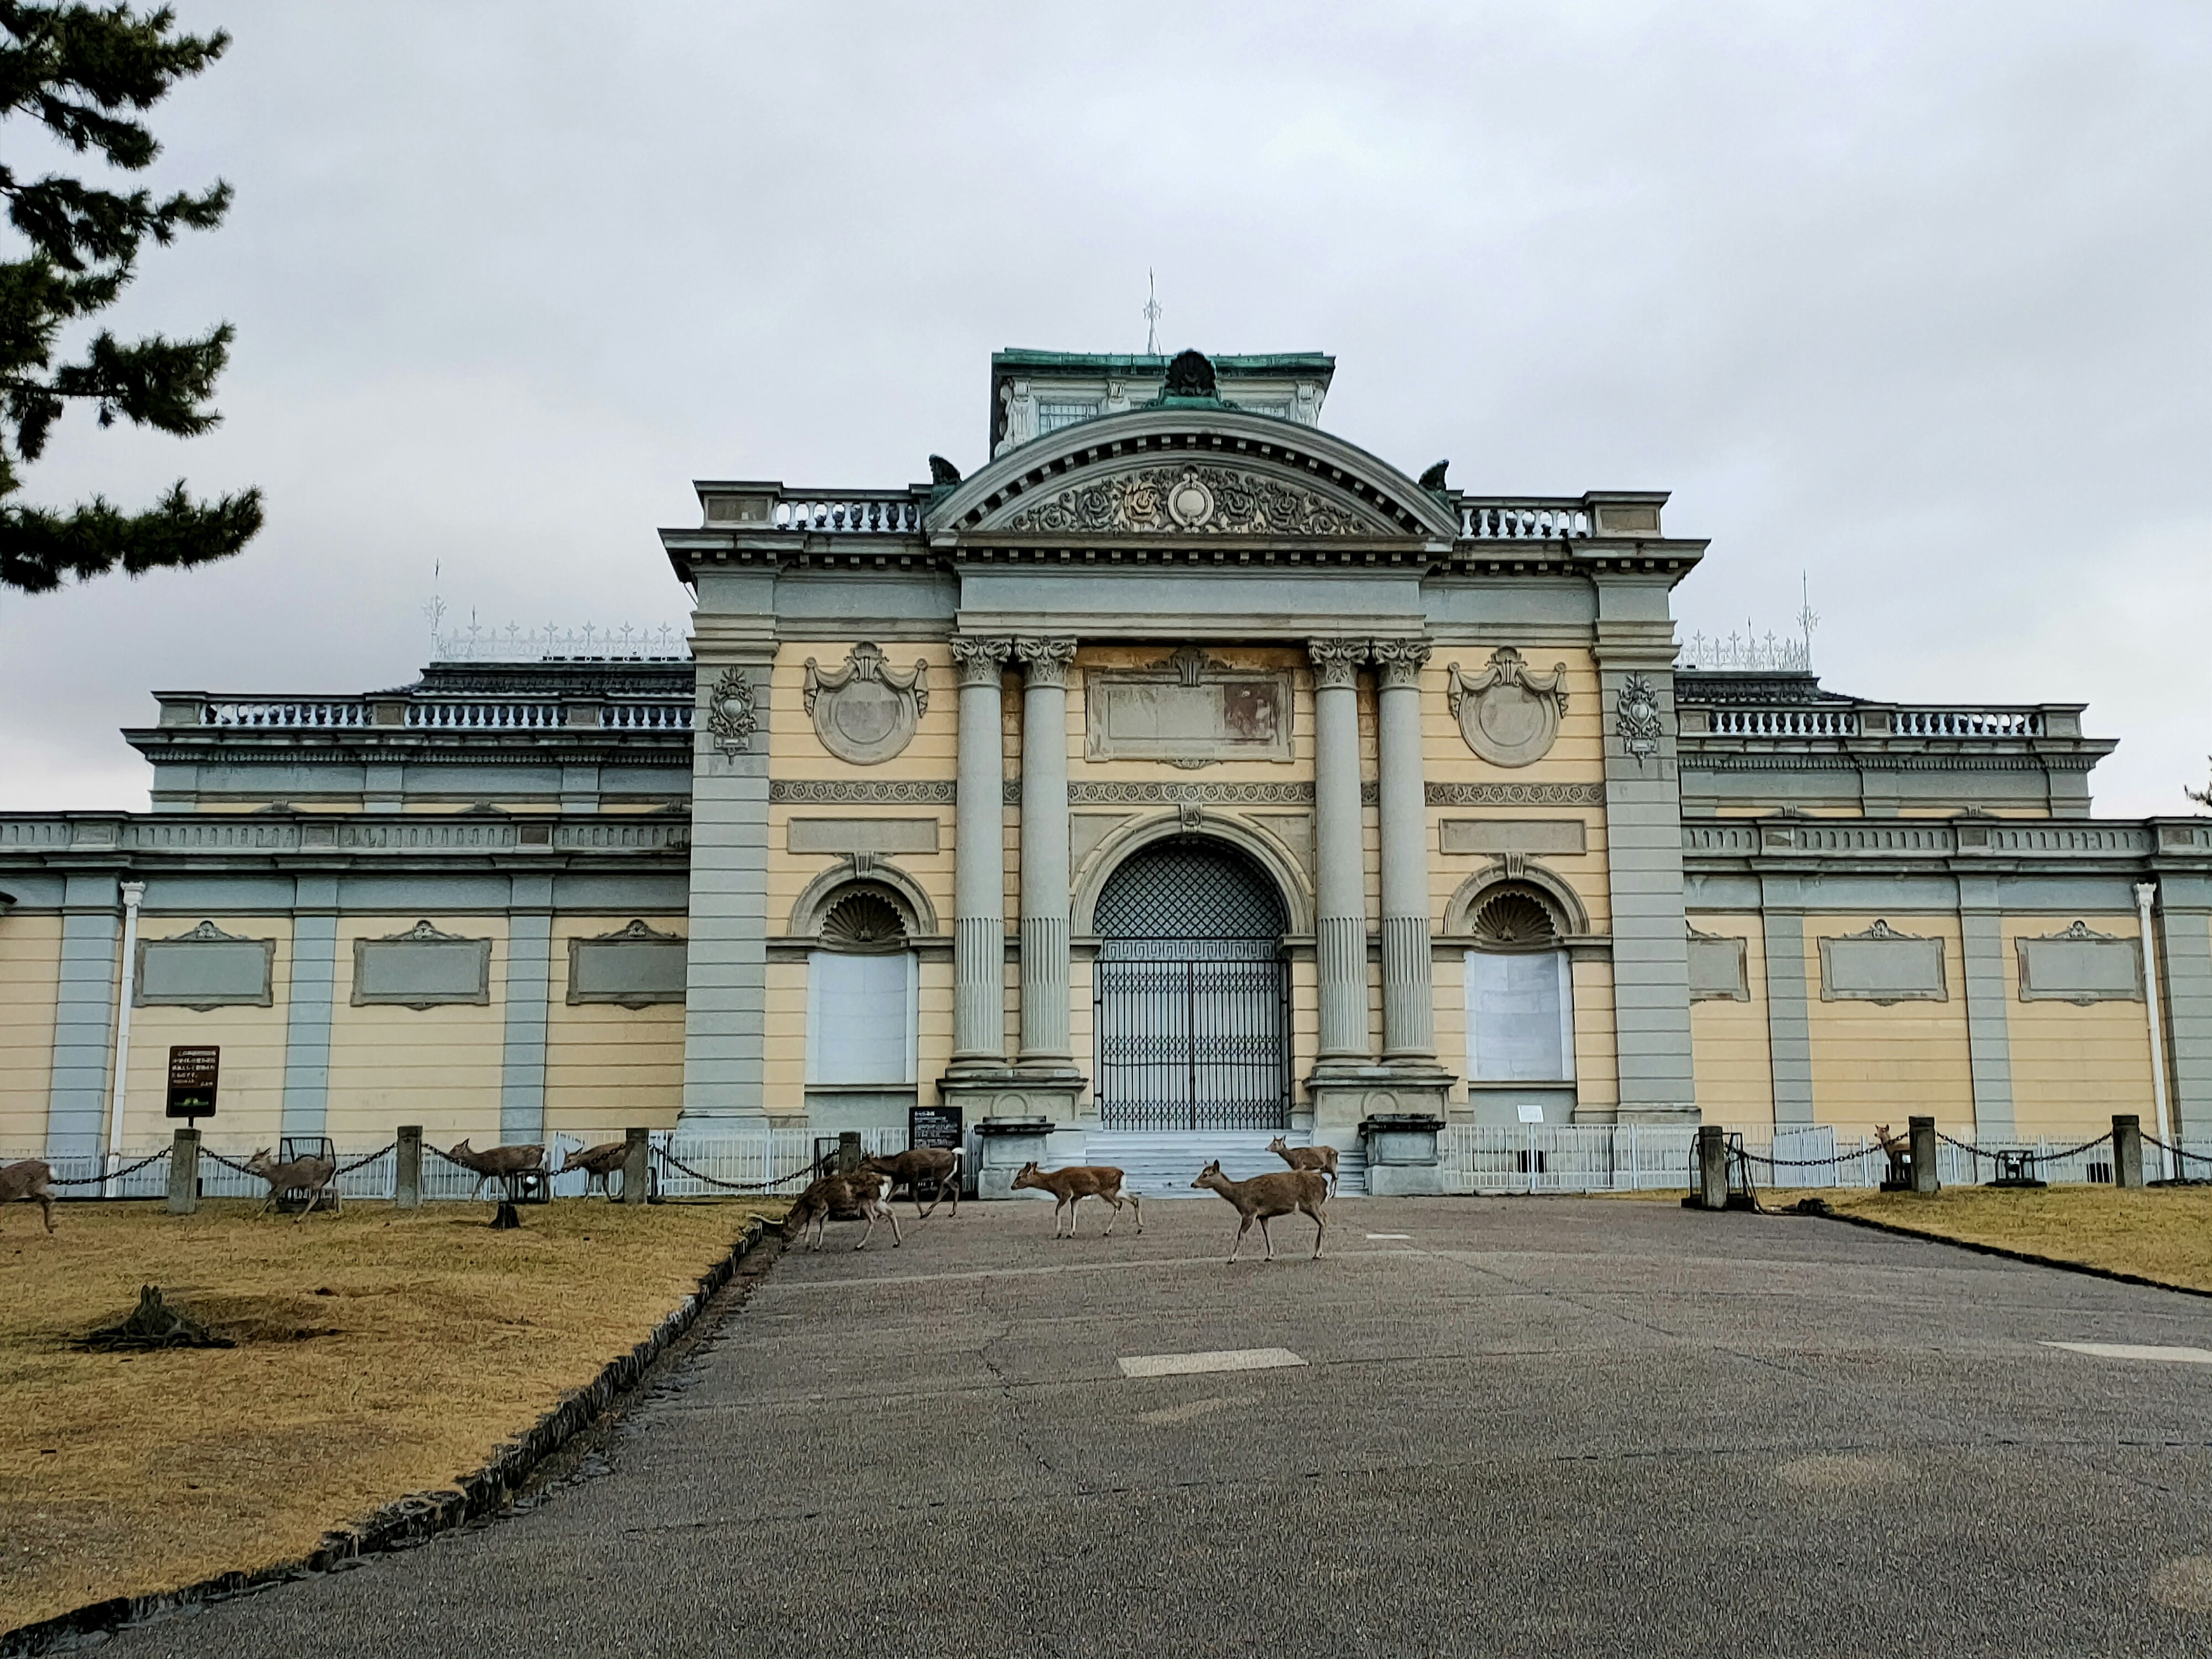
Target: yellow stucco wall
point(2073, 1067)
point(30, 983)
point(1728, 1040)
point(250, 1098)
point(1875, 1063)
point(608, 1068)
point(438, 1066)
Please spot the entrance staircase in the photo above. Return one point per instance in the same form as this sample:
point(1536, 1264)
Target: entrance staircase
point(1163, 1165)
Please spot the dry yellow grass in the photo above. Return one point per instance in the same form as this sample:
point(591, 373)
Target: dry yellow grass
point(2163, 1234)
point(379, 1352)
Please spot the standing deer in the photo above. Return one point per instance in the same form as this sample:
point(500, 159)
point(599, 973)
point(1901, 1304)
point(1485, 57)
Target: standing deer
point(24, 1182)
point(312, 1176)
point(598, 1163)
point(497, 1162)
point(1070, 1186)
point(863, 1192)
point(1320, 1157)
point(938, 1166)
point(1267, 1195)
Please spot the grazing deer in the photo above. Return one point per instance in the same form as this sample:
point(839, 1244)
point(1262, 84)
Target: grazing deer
point(312, 1176)
point(1320, 1157)
point(24, 1182)
point(863, 1192)
point(1070, 1186)
point(497, 1162)
point(1267, 1195)
point(938, 1165)
point(1899, 1149)
point(598, 1163)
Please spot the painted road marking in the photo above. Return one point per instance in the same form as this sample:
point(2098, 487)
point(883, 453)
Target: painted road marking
point(1374, 1235)
point(1229, 1359)
point(2136, 1351)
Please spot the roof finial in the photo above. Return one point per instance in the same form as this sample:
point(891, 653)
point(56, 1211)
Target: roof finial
point(1807, 618)
point(1152, 314)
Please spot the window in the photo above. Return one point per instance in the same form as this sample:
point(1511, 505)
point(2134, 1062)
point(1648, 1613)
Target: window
point(1520, 1017)
point(862, 1018)
point(1052, 415)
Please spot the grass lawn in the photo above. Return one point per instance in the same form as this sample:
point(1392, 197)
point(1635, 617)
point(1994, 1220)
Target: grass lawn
point(2165, 1234)
point(379, 1352)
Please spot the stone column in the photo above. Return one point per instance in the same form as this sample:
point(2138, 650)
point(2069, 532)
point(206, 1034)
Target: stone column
point(1045, 663)
point(1340, 885)
point(1408, 1003)
point(979, 867)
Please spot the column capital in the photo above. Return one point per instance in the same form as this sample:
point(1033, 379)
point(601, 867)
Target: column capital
point(980, 659)
point(1046, 658)
point(1336, 661)
point(1399, 662)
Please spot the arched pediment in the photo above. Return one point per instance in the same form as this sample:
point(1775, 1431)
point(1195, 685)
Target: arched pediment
point(1190, 472)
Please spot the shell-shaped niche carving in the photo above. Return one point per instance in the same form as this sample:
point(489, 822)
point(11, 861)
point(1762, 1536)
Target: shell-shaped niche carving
point(867, 711)
point(1513, 919)
point(864, 920)
point(1508, 716)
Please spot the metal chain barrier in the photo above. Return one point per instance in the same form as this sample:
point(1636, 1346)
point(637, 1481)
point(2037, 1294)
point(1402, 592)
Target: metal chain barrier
point(669, 1160)
point(1973, 1151)
point(214, 1157)
point(1807, 1163)
point(111, 1175)
point(2177, 1152)
point(362, 1162)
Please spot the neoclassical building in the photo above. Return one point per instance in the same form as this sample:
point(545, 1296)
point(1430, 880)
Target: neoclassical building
point(1186, 770)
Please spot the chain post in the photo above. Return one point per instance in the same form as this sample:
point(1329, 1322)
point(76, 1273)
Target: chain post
point(1923, 1133)
point(185, 1172)
point(637, 1144)
point(407, 1168)
point(2127, 1150)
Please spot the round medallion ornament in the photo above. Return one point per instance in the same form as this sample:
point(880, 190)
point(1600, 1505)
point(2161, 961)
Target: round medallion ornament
point(865, 712)
point(1508, 716)
point(1190, 503)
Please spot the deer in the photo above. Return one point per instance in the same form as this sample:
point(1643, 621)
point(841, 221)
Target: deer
point(938, 1165)
point(1267, 1195)
point(863, 1192)
point(312, 1176)
point(1320, 1157)
point(1898, 1148)
point(24, 1182)
point(1071, 1186)
point(598, 1163)
point(497, 1162)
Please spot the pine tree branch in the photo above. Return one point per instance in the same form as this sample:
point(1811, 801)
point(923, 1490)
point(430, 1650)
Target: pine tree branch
point(40, 550)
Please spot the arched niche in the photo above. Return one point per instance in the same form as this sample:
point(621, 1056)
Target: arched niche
point(1569, 918)
point(901, 890)
point(1128, 839)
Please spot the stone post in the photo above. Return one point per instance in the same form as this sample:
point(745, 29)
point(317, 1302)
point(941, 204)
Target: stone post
point(1340, 885)
point(1923, 1155)
point(407, 1168)
point(637, 1180)
point(848, 1152)
point(1712, 1166)
point(1045, 663)
point(185, 1172)
point(979, 868)
point(2127, 1150)
point(1408, 1003)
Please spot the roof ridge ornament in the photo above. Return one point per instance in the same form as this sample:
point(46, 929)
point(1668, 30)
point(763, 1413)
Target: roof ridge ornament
point(1190, 375)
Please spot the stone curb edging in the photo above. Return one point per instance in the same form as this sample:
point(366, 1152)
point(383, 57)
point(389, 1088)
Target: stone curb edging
point(419, 1516)
point(2029, 1257)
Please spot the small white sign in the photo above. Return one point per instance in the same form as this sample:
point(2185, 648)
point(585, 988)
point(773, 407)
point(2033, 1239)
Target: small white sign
point(1531, 1114)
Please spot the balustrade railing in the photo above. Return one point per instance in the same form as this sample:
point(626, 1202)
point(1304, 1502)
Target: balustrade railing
point(308, 716)
point(851, 515)
point(1522, 522)
point(1967, 723)
point(1797, 722)
point(483, 716)
point(648, 716)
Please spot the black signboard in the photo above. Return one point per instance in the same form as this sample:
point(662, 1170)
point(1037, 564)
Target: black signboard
point(192, 1074)
point(933, 1126)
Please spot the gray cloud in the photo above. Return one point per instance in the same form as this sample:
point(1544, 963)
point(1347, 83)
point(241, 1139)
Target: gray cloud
point(1908, 298)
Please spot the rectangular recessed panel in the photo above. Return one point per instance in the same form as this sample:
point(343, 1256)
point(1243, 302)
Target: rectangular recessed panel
point(1537, 836)
point(1185, 1364)
point(2133, 1350)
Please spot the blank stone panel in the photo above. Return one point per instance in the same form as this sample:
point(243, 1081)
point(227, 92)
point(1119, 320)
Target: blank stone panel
point(1882, 965)
point(420, 967)
point(206, 968)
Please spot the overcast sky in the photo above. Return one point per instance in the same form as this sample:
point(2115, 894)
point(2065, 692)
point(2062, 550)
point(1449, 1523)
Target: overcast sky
point(1910, 300)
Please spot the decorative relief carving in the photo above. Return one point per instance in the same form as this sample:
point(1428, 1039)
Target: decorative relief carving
point(2080, 965)
point(732, 711)
point(1515, 794)
point(1882, 965)
point(1397, 663)
point(1636, 719)
point(981, 660)
point(1175, 795)
point(1187, 709)
point(1336, 662)
point(1185, 499)
point(1045, 661)
point(1506, 714)
point(865, 712)
point(859, 792)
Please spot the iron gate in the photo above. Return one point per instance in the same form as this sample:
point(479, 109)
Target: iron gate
point(1192, 1008)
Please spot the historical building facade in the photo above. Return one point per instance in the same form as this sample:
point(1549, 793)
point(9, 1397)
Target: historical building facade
point(1185, 769)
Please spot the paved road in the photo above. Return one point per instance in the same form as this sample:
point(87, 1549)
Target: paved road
point(1546, 1426)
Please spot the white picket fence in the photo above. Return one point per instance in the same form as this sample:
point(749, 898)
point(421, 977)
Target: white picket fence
point(1563, 1157)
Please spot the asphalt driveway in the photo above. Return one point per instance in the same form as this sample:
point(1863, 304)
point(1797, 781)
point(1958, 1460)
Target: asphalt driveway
point(1540, 1426)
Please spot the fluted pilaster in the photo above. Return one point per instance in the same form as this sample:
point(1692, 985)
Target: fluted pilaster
point(1339, 887)
point(978, 872)
point(1045, 663)
point(1408, 1002)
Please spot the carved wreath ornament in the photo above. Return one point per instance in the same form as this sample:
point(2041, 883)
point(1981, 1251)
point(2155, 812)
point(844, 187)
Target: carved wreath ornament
point(1636, 718)
point(1203, 500)
point(731, 712)
point(1508, 716)
point(867, 711)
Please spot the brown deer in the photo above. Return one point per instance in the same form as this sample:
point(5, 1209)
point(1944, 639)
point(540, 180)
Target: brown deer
point(24, 1182)
point(1267, 1195)
point(1315, 1157)
point(1898, 1149)
point(1071, 1186)
point(497, 1162)
point(312, 1176)
point(598, 1163)
point(841, 1193)
point(938, 1166)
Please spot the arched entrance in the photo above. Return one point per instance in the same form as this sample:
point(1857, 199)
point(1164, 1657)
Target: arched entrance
point(1192, 1016)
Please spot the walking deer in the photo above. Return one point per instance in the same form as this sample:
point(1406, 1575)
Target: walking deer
point(1264, 1196)
point(24, 1182)
point(598, 1163)
point(938, 1166)
point(1071, 1186)
point(816, 1206)
point(1320, 1157)
point(312, 1176)
point(497, 1162)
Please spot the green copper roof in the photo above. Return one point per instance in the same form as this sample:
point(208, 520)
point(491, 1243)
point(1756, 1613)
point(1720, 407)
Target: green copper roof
point(1280, 362)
